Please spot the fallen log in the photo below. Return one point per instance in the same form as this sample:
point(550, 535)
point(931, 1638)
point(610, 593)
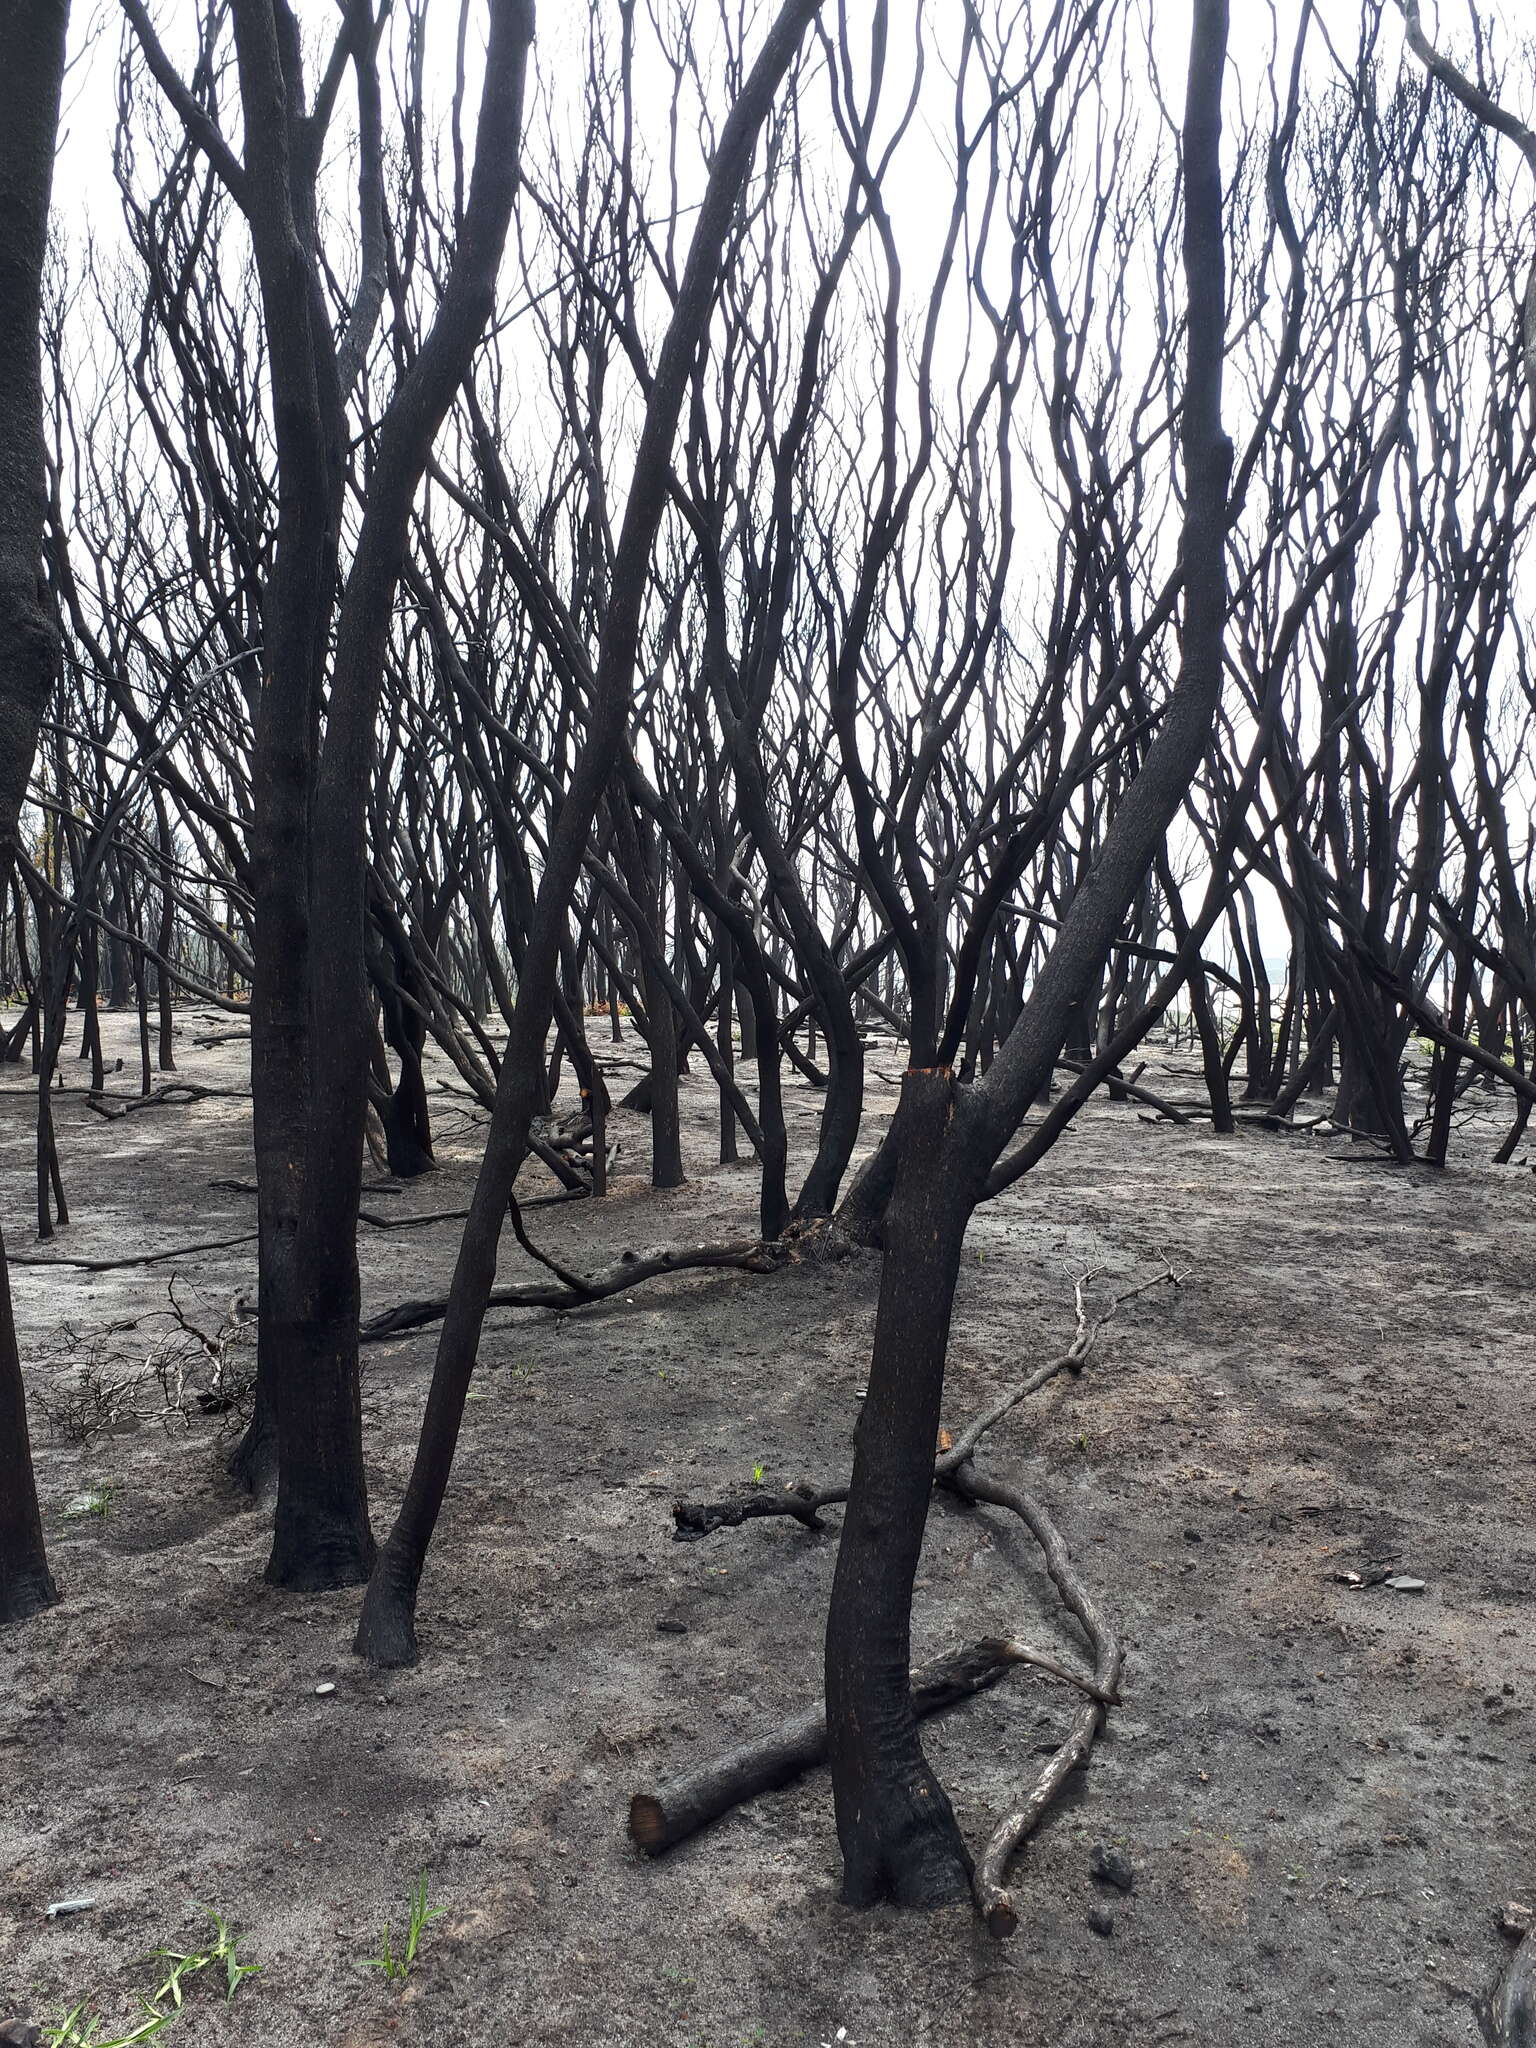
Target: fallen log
point(680, 1806)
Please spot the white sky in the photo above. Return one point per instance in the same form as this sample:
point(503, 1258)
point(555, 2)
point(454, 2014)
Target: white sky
point(85, 198)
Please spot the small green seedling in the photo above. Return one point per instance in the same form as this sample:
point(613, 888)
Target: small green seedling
point(96, 1500)
point(396, 1967)
point(224, 1949)
point(757, 1474)
point(78, 2029)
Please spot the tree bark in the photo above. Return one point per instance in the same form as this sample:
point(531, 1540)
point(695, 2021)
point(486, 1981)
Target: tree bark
point(31, 80)
point(897, 1829)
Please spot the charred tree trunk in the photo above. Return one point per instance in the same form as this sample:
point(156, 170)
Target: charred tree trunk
point(26, 1584)
point(31, 78)
point(386, 1629)
point(406, 1117)
point(899, 1837)
point(898, 1832)
point(724, 1040)
point(634, 846)
point(166, 1054)
point(309, 1008)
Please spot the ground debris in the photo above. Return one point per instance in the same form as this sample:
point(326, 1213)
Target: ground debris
point(1110, 1866)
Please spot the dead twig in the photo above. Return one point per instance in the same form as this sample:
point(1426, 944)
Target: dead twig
point(994, 1901)
point(169, 1094)
point(176, 1251)
point(1086, 1336)
point(692, 1519)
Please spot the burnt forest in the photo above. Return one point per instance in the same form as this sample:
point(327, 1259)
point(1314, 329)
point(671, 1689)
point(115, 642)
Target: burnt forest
point(767, 1024)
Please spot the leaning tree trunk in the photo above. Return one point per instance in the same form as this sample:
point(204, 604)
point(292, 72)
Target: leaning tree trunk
point(898, 1836)
point(31, 77)
point(898, 1833)
point(386, 1631)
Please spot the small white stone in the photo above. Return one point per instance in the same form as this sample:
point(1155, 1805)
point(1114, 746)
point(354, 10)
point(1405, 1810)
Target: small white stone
point(321, 1690)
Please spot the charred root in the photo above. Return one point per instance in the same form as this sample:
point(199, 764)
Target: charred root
point(253, 1462)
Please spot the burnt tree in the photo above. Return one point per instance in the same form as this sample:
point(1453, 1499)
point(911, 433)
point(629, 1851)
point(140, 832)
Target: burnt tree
point(31, 78)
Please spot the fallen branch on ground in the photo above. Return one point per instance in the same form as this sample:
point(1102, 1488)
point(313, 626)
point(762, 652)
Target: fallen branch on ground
point(1271, 1120)
point(175, 1251)
point(994, 1901)
point(686, 1803)
point(749, 1255)
point(410, 1222)
point(176, 1094)
point(680, 1806)
point(692, 1519)
point(1124, 1084)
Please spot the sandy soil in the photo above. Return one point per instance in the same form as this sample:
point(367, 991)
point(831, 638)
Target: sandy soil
point(1324, 1791)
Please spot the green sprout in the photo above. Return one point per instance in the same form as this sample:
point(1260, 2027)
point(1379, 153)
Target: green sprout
point(78, 2029)
point(396, 1967)
point(95, 1500)
point(223, 1950)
